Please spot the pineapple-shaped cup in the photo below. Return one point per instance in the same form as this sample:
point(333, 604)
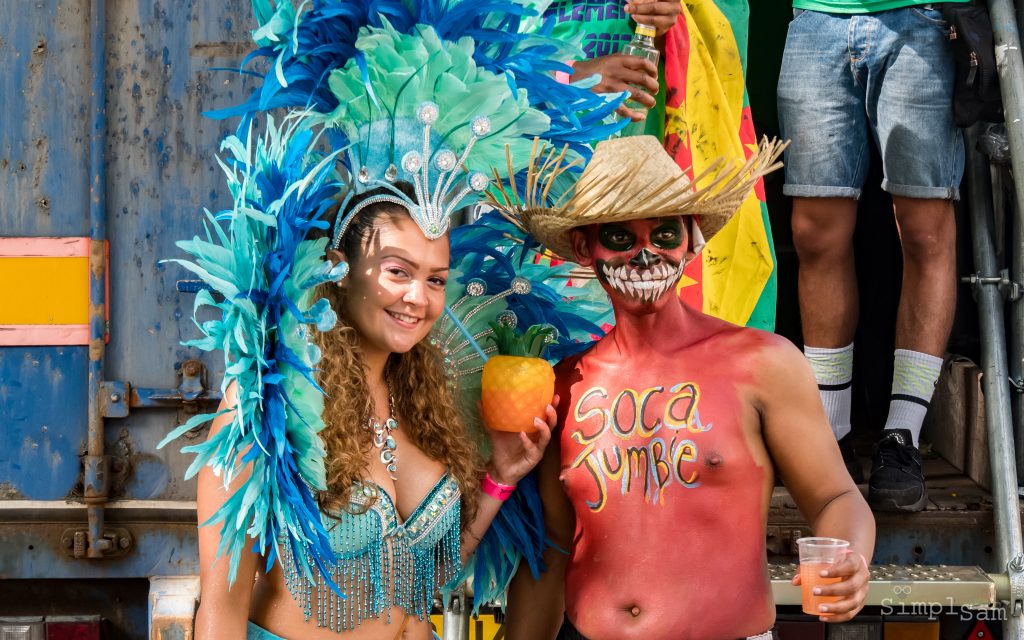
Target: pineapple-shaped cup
point(518, 384)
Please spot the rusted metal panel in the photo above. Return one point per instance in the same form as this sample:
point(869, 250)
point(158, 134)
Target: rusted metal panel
point(43, 118)
point(36, 551)
point(41, 438)
point(160, 174)
point(36, 545)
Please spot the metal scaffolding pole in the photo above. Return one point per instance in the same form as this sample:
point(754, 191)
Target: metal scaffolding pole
point(1016, 335)
point(996, 382)
point(1011, 79)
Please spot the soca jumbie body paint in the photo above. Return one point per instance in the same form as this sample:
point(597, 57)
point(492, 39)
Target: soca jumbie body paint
point(648, 467)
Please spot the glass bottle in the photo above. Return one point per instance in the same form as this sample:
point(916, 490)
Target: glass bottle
point(642, 46)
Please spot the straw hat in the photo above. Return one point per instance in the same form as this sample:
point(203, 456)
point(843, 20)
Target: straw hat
point(626, 179)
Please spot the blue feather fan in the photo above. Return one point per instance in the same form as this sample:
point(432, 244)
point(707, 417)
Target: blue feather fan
point(265, 269)
point(304, 46)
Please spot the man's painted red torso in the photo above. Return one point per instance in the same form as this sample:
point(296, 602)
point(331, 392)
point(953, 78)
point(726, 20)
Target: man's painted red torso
point(664, 464)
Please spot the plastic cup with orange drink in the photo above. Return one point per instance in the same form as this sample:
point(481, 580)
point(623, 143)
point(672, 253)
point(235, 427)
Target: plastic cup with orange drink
point(816, 555)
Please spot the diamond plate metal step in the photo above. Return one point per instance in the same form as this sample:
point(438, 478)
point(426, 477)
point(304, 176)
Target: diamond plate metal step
point(906, 585)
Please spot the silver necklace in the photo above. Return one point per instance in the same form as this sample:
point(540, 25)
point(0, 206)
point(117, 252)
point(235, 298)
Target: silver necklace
point(384, 440)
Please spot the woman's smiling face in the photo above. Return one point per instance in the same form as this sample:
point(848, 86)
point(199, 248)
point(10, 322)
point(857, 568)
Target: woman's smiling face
point(396, 285)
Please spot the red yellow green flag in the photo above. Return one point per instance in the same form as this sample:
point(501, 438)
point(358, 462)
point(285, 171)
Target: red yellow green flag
point(707, 116)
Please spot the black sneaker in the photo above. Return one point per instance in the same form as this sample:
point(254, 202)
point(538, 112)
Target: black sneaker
point(897, 479)
point(850, 459)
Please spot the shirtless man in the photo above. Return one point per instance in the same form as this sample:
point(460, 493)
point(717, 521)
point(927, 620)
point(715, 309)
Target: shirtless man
point(671, 431)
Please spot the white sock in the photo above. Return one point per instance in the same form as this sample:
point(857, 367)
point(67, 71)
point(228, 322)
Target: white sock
point(833, 371)
point(914, 376)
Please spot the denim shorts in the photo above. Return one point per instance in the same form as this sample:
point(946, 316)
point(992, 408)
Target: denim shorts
point(887, 74)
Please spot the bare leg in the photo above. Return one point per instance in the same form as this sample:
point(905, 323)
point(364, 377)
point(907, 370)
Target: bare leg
point(925, 317)
point(823, 236)
point(928, 298)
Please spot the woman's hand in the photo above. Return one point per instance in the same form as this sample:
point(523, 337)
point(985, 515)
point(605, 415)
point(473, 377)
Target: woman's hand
point(852, 589)
point(515, 454)
point(660, 14)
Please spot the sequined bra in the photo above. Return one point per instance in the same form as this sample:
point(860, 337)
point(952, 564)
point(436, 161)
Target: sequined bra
point(383, 563)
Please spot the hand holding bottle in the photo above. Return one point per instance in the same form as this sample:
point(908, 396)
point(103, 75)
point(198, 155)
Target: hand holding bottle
point(641, 46)
point(660, 14)
point(620, 72)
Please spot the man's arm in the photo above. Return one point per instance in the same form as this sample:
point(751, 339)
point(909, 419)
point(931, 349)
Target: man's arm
point(536, 607)
point(805, 452)
point(622, 73)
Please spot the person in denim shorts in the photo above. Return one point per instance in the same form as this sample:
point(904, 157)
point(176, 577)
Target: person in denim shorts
point(883, 69)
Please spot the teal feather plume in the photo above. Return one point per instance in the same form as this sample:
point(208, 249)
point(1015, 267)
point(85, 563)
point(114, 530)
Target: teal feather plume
point(262, 269)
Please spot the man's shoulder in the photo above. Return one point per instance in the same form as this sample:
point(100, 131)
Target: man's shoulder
point(773, 359)
point(717, 330)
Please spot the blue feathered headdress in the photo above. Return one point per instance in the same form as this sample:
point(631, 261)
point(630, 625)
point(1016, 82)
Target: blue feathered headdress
point(411, 88)
point(305, 45)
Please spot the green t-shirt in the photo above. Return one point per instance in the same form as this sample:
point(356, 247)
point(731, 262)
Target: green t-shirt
point(859, 6)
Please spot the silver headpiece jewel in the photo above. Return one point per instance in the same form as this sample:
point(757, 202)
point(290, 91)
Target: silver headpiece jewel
point(436, 198)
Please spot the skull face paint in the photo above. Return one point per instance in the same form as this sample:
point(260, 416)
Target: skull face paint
point(640, 260)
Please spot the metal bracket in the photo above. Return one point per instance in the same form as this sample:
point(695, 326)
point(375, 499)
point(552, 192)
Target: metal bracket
point(1011, 290)
point(115, 542)
point(192, 286)
point(1015, 569)
point(114, 399)
point(994, 143)
point(118, 398)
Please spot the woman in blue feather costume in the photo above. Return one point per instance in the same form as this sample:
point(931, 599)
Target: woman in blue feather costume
point(403, 509)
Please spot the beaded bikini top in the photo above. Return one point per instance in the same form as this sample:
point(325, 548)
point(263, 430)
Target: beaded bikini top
point(383, 562)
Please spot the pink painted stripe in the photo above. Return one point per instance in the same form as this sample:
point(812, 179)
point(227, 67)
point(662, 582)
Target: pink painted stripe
point(24, 335)
point(44, 247)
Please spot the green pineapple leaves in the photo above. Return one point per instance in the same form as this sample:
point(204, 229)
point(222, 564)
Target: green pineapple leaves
point(528, 344)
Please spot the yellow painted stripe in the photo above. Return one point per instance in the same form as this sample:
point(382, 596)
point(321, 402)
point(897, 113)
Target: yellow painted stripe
point(44, 290)
point(484, 627)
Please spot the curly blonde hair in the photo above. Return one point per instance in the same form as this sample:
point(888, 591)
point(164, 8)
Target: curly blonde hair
point(424, 403)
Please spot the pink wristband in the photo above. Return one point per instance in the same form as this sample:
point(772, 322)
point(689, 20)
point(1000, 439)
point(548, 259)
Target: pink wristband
point(496, 490)
point(563, 77)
